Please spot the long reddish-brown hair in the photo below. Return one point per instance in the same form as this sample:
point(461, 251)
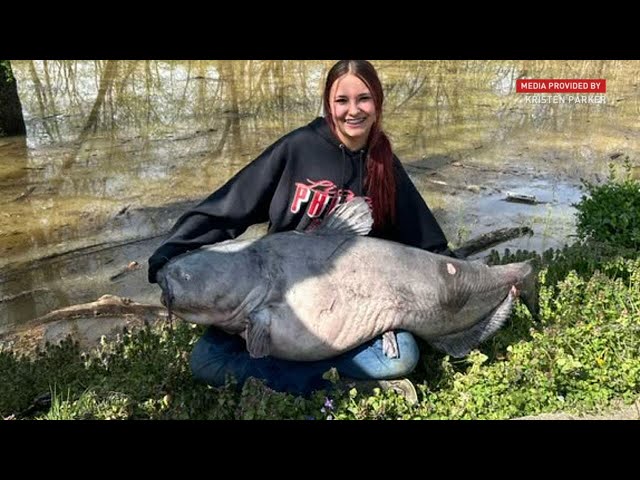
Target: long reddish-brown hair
point(380, 178)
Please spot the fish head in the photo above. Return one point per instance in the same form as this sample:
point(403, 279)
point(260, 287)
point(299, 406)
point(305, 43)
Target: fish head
point(182, 292)
point(203, 287)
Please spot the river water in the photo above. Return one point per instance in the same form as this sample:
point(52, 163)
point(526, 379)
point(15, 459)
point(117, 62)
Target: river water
point(115, 151)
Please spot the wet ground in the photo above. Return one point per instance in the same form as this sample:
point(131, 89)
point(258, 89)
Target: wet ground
point(116, 151)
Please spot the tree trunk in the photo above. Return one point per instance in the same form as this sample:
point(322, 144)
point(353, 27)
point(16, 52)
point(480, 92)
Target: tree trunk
point(11, 121)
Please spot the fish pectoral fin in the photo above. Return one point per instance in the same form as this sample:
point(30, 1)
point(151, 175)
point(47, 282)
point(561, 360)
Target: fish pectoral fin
point(461, 343)
point(258, 334)
point(390, 344)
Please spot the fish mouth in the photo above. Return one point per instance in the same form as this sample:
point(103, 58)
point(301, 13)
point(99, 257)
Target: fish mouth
point(167, 299)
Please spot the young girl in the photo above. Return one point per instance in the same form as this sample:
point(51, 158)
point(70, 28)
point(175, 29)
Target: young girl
point(293, 184)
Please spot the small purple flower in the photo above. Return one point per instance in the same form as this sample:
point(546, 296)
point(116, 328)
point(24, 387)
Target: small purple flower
point(328, 403)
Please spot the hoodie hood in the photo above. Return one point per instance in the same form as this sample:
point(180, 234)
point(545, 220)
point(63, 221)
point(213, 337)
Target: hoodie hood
point(321, 127)
point(351, 161)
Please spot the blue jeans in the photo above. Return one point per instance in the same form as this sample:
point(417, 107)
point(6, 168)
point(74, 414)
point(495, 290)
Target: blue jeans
point(218, 354)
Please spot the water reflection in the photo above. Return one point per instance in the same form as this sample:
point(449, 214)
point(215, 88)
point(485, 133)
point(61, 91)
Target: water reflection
point(112, 146)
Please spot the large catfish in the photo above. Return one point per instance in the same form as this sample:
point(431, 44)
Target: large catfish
point(313, 295)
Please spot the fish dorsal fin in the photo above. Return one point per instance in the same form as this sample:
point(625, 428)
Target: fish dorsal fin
point(351, 218)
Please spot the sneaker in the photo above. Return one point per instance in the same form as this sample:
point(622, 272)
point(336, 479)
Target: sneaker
point(402, 386)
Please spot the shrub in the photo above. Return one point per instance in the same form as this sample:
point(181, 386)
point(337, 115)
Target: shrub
point(610, 213)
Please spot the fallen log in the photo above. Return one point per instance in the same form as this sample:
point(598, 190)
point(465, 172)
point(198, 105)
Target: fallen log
point(490, 239)
point(86, 323)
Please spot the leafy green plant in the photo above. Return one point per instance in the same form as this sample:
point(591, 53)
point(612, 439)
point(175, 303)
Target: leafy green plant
point(610, 213)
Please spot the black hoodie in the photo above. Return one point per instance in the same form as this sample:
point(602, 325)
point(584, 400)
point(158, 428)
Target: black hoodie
point(292, 185)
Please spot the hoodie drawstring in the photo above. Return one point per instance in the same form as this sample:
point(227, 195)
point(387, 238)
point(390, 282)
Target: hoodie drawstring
point(361, 169)
point(343, 180)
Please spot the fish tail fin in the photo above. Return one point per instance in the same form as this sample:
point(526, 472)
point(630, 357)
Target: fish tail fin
point(461, 343)
point(529, 289)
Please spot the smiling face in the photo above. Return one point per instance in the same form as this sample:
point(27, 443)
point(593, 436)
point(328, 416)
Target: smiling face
point(353, 111)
